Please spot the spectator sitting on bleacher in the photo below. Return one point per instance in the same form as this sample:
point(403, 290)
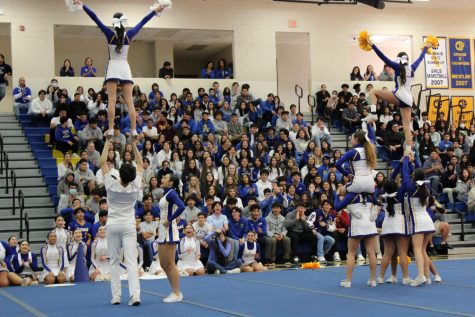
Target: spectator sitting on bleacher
point(91, 133)
point(21, 97)
point(76, 107)
point(68, 192)
point(65, 165)
point(65, 139)
point(394, 141)
point(166, 71)
point(93, 156)
point(81, 122)
point(320, 133)
point(92, 204)
point(112, 171)
point(351, 117)
point(433, 169)
point(299, 231)
point(85, 176)
point(41, 109)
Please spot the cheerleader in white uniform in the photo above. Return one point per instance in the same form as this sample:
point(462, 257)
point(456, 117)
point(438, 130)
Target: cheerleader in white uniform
point(171, 206)
point(421, 224)
point(53, 260)
point(155, 267)
point(362, 160)
point(362, 227)
point(26, 265)
point(100, 262)
point(249, 252)
point(189, 254)
point(63, 235)
point(395, 232)
point(121, 232)
point(72, 252)
point(401, 96)
point(5, 253)
point(118, 69)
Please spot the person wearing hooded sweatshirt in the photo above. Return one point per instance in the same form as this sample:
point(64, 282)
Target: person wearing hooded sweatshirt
point(65, 139)
point(63, 185)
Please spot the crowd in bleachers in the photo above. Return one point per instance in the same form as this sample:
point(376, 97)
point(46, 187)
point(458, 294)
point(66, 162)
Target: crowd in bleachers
point(244, 163)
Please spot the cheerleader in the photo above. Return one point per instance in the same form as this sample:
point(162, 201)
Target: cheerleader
point(5, 254)
point(362, 160)
point(401, 96)
point(189, 253)
point(155, 267)
point(171, 206)
point(421, 224)
point(53, 261)
point(249, 253)
point(395, 232)
point(362, 227)
point(26, 266)
point(72, 252)
point(100, 262)
point(118, 69)
point(63, 235)
point(122, 194)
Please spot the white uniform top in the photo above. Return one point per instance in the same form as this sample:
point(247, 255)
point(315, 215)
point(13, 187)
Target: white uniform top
point(361, 167)
point(248, 255)
point(121, 56)
point(403, 91)
point(53, 259)
point(421, 222)
point(122, 200)
point(187, 244)
point(2, 253)
point(63, 237)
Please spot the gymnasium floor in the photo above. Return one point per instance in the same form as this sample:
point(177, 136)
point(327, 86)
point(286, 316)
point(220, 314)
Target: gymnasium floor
point(277, 293)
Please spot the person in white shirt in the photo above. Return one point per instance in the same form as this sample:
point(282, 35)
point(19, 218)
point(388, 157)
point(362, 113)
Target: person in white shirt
point(424, 119)
point(41, 108)
point(122, 194)
point(320, 133)
point(262, 184)
point(165, 154)
point(112, 171)
point(284, 122)
point(149, 131)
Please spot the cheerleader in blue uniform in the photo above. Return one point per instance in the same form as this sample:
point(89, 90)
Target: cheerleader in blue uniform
point(363, 214)
point(5, 254)
point(401, 96)
point(421, 225)
point(171, 206)
point(26, 265)
point(362, 160)
point(118, 69)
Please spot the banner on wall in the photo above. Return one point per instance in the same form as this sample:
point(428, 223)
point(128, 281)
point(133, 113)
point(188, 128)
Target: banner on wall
point(466, 103)
point(460, 63)
point(432, 106)
point(437, 74)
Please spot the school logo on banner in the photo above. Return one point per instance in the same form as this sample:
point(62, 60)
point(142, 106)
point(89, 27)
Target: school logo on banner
point(462, 110)
point(460, 63)
point(437, 74)
point(434, 102)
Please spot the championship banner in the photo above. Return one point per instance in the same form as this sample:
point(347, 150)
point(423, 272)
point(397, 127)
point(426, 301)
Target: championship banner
point(460, 63)
point(437, 74)
point(466, 103)
point(432, 109)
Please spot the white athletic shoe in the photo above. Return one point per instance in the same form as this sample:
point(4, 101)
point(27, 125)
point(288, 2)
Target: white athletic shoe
point(110, 133)
point(429, 281)
point(336, 257)
point(134, 300)
point(392, 279)
point(173, 298)
point(234, 271)
point(380, 280)
point(437, 278)
point(322, 259)
point(217, 272)
point(418, 281)
point(345, 284)
point(360, 258)
point(371, 283)
point(407, 281)
point(379, 256)
point(370, 117)
point(134, 134)
point(115, 300)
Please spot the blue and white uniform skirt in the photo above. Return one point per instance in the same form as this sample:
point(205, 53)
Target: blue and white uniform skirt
point(420, 220)
point(362, 227)
point(119, 70)
point(395, 226)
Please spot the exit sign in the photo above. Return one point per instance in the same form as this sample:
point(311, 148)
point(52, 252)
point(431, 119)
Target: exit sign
point(293, 24)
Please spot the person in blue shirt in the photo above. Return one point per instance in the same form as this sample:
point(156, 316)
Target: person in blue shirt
point(189, 121)
point(268, 108)
point(152, 94)
point(222, 71)
point(21, 97)
point(325, 226)
point(65, 140)
point(219, 251)
point(81, 123)
point(213, 97)
point(270, 199)
point(205, 126)
point(445, 143)
point(101, 223)
point(118, 69)
point(258, 225)
point(238, 229)
point(300, 121)
point(297, 182)
point(324, 169)
point(80, 223)
point(147, 206)
point(208, 70)
point(87, 70)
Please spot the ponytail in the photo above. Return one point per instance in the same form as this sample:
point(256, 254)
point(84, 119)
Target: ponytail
point(390, 188)
point(369, 151)
point(402, 66)
point(119, 31)
point(422, 192)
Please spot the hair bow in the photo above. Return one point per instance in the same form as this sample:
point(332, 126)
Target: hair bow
point(420, 183)
point(117, 22)
point(389, 195)
point(402, 60)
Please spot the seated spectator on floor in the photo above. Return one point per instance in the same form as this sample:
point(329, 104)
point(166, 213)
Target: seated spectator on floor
point(250, 254)
point(41, 109)
point(166, 71)
point(87, 70)
point(21, 97)
point(434, 170)
point(219, 251)
point(65, 139)
point(67, 70)
point(189, 253)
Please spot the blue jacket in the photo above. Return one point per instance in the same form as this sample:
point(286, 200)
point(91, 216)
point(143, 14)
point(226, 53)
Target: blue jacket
point(63, 135)
point(267, 106)
point(222, 74)
point(26, 92)
point(201, 127)
point(239, 229)
point(259, 223)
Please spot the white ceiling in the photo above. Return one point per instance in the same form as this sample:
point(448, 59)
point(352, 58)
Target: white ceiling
point(215, 40)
